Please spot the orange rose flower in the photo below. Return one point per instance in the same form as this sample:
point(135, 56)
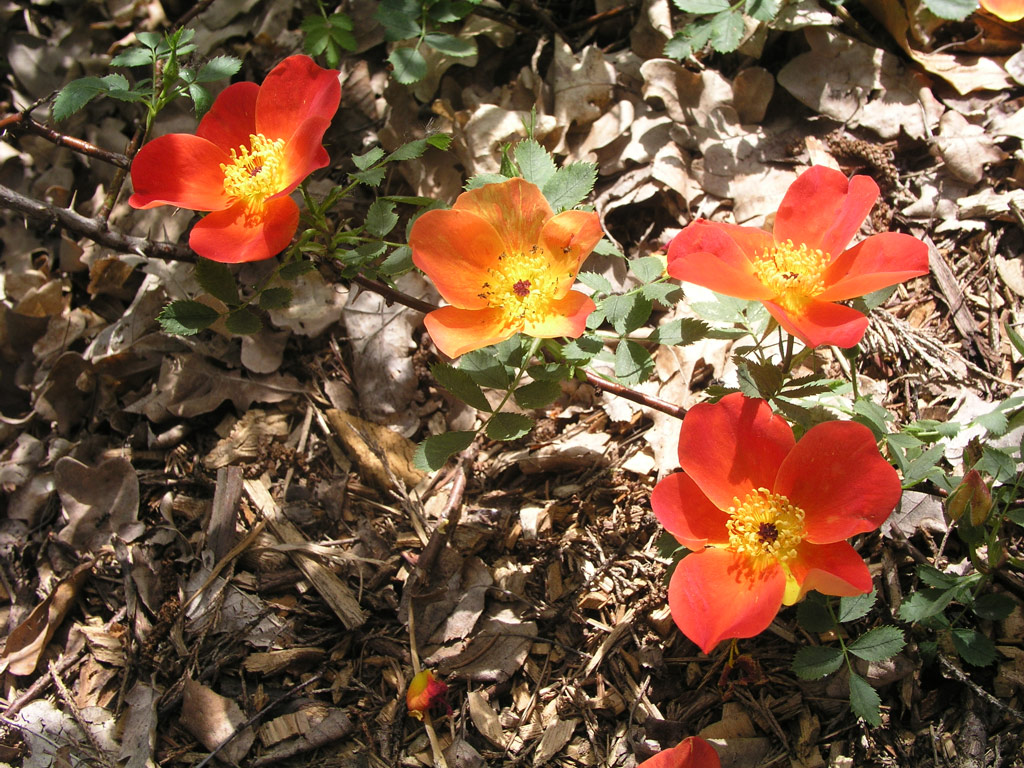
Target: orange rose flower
point(426, 693)
point(1007, 10)
point(692, 752)
point(505, 263)
point(800, 268)
point(250, 151)
point(766, 516)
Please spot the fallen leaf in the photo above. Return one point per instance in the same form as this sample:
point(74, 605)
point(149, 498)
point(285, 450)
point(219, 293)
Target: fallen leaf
point(212, 718)
point(966, 148)
point(98, 501)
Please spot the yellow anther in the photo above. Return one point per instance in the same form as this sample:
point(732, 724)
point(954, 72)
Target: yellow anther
point(254, 173)
point(793, 272)
point(766, 527)
point(522, 285)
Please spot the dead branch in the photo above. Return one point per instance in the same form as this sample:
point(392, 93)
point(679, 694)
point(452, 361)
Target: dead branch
point(20, 121)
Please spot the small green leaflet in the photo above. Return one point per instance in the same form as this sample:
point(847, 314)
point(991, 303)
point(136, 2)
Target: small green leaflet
point(433, 453)
point(186, 317)
point(216, 279)
point(633, 363)
point(815, 661)
point(537, 394)
point(812, 614)
point(275, 298)
point(878, 644)
point(296, 269)
point(993, 606)
point(680, 332)
point(570, 185)
point(956, 10)
point(864, 700)
point(702, 6)
point(974, 648)
point(726, 31)
point(857, 607)
point(381, 218)
point(243, 322)
point(409, 65)
point(455, 47)
point(218, 68)
point(460, 384)
point(508, 426)
point(535, 162)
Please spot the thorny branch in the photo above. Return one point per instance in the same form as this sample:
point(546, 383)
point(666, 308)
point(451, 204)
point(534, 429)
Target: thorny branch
point(22, 122)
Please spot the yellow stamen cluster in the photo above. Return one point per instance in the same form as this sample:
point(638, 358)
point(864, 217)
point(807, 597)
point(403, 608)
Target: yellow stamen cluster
point(254, 173)
point(766, 527)
point(522, 285)
point(793, 273)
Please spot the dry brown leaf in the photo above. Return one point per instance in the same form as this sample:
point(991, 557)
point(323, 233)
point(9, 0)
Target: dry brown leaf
point(582, 83)
point(498, 647)
point(27, 641)
point(249, 437)
point(556, 735)
point(485, 718)
point(212, 718)
point(321, 729)
point(371, 445)
point(98, 501)
point(138, 727)
point(966, 148)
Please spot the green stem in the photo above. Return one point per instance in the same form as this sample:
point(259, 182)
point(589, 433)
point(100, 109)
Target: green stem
point(534, 346)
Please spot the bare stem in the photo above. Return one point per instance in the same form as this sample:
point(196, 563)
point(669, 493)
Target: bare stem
point(22, 122)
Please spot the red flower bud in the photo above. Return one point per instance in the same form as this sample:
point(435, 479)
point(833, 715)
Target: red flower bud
point(426, 693)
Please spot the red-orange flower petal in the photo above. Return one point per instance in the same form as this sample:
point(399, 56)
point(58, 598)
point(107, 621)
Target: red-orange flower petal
point(822, 323)
point(569, 237)
point(566, 316)
point(515, 208)
point(877, 262)
point(425, 693)
point(823, 209)
point(237, 235)
point(456, 249)
point(718, 256)
point(832, 569)
point(836, 475)
point(1007, 10)
point(687, 513)
point(732, 447)
point(193, 180)
point(456, 331)
point(714, 594)
point(232, 118)
point(303, 154)
point(692, 752)
point(293, 92)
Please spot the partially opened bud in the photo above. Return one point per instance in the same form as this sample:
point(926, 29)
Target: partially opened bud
point(426, 693)
point(971, 496)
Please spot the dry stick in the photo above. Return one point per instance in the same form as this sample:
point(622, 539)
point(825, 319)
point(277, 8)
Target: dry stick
point(22, 121)
point(122, 173)
point(95, 229)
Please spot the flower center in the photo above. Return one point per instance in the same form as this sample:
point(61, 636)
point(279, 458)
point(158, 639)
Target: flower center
point(793, 273)
point(254, 173)
point(765, 527)
point(522, 286)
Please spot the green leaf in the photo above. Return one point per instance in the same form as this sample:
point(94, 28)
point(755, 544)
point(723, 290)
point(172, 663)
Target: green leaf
point(371, 178)
point(449, 44)
point(627, 313)
point(186, 317)
point(570, 185)
point(702, 6)
point(398, 262)
point(381, 218)
point(296, 269)
point(856, 607)
point(201, 99)
point(75, 95)
point(275, 298)
point(408, 64)
point(368, 159)
point(317, 37)
point(925, 603)
point(1016, 516)
point(1015, 339)
point(508, 426)
point(243, 322)
point(763, 10)
point(483, 179)
point(759, 379)
point(997, 463)
point(665, 294)
point(149, 39)
point(878, 644)
point(535, 162)
point(216, 279)
point(815, 661)
point(647, 269)
point(974, 648)
point(485, 369)
point(400, 18)
point(133, 57)
point(595, 282)
point(813, 615)
point(680, 332)
point(537, 394)
point(726, 31)
point(633, 363)
point(218, 68)
point(460, 384)
point(993, 606)
point(433, 453)
point(956, 10)
point(872, 415)
point(864, 700)
point(582, 350)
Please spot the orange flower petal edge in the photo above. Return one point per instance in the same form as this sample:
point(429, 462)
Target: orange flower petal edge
point(766, 516)
point(803, 265)
point(1007, 10)
point(425, 694)
point(692, 752)
point(506, 264)
point(249, 152)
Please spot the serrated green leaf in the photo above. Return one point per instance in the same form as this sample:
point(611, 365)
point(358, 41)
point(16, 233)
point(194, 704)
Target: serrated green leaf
point(597, 283)
point(993, 606)
point(275, 298)
point(812, 614)
point(680, 332)
point(647, 269)
point(759, 379)
point(974, 647)
point(201, 99)
point(216, 279)
point(535, 163)
point(461, 385)
point(381, 218)
point(218, 68)
point(433, 453)
point(133, 57)
point(955, 10)
point(627, 313)
point(702, 6)
point(933, 577)
point(485, 369)
point(878, 644)
point(537, 394)
point(149, 39)
point(408, 65)
point(186, 317)
point(456, 47)
point(296, 269)
point(726, 31)
point(665, 294)
point(815, 661)
point(763, 10)
point(243, 322)
point(75, 95)
point(581, 351)
point(925, 603)
point(856, 607)
point(398, 262)
point(400, 18)
point(633, 363)
point(997, 463)
point(439, 141)
point(508, 426)
point(864, 700)
point(368, 159)
point(570, 185)
point(341, 21)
